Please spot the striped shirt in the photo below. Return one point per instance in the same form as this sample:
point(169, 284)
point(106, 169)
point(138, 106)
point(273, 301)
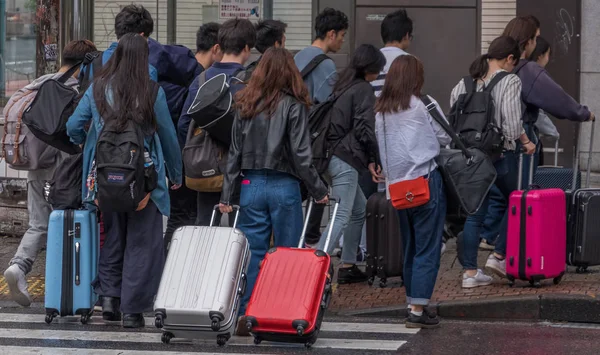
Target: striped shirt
point(508, 105)
point(390, 54)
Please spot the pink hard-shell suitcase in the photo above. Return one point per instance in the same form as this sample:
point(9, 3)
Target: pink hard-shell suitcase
point(537, 234)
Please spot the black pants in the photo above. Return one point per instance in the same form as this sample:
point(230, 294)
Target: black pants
point(206, 205)
point(132, 258)
point(183, 211)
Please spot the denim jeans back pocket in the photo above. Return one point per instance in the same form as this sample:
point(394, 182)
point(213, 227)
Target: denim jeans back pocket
point(247, 194)
point(287, 194)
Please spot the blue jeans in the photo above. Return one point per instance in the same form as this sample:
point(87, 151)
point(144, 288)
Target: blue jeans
point(422, 229)
point(529, 129)
point(351, 212)
point(269, 201)
point(506, 182)
point(495, 213)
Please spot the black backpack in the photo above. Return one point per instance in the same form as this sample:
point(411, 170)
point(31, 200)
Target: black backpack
point(54, 103)
point(473, 117)
point(123, 178)
point(64, 190)
point(212, 108)
point(319, 122)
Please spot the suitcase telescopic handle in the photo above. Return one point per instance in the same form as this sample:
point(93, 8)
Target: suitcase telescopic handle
point(236, 208)
point(520, 174)
point(336, 205)
point(578, 156)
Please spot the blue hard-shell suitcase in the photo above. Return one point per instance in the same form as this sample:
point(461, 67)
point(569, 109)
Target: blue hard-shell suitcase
point(71, 264)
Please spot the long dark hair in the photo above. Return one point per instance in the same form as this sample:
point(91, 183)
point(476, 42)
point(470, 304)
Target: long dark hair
point(367, 59)
point(541, 48)
point(500, 48)
point(408, 78)
point(122, 90)
point(275, 75)
point(522, 29)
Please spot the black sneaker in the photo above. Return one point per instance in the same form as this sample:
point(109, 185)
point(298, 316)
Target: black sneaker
point(133, 320)
point(110, 308)
point(425, 320)
point(351, 275)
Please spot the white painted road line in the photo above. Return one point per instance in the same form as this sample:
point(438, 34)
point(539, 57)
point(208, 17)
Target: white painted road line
point(133, 337)
point(17, 350)
point(383, 328)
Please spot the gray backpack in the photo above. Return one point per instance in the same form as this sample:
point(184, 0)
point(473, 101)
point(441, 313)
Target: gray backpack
point(19, 147)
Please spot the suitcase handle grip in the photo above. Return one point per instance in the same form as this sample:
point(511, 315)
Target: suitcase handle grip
point(336, 202)
point(236, 208)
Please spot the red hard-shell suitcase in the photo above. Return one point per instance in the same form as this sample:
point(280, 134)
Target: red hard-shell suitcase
point(292, 292)
point(537, 234)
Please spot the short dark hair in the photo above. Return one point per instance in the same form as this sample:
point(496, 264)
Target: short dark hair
point(269, 32)
point(134, 19)
point(207, 37)
point(533, 20)
point(75, 51)
point(541, 48)
point(235, 35)
point(330, 19)
point(396, 26)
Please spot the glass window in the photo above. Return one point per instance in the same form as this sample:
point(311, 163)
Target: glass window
point(17, 46)
point(104, 20)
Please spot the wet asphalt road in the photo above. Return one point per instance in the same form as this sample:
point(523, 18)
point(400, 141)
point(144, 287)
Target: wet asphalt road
point(23, 331)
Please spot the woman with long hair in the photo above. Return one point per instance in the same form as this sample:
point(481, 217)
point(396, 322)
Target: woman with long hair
point(353, 145)
point(132, 258)
point(409, 141)
point(491, 69)
point(271, 151)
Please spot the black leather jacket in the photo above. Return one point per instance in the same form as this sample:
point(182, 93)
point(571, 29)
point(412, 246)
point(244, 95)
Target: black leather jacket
point(280, 142)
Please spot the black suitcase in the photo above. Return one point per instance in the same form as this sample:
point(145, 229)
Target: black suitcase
point(583, 233)
point(385, 253)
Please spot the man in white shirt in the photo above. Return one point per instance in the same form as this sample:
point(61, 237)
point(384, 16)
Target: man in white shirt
point(396, 33)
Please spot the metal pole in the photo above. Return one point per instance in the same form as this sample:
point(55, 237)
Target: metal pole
point(267, 9)
point(171, 21)
point(2, 45)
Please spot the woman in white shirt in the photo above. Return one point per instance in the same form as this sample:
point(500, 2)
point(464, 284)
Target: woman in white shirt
point(409, 141)
point(503, 55)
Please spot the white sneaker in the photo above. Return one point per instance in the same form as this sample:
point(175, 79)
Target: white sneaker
point(496, 266)
point(484, 245)
point(17, 285)
point(443, 248)
point(480, 279)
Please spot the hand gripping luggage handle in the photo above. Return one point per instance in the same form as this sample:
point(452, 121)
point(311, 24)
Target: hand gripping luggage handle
point(236, 208)
point(520, 175)
point(578, 155)
point(336, 201)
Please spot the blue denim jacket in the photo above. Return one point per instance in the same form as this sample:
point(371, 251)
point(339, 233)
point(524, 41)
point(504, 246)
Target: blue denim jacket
point(164, 148)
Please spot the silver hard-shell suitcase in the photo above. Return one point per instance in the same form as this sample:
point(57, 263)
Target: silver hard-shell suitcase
point(202, 283)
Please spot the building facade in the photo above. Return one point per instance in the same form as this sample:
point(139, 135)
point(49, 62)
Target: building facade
point(449, 34)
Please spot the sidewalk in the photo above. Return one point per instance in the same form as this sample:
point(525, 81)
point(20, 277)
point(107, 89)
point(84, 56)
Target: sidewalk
point(574, 299)
point(574, 295)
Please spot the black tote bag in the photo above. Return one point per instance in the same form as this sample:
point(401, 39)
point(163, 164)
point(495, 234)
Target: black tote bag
point(468, 173)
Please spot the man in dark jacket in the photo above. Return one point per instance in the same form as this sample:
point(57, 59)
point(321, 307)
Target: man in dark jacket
point(269, 33)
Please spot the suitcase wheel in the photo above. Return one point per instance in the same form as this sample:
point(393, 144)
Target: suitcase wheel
point(557, 280)
point(257, 340)
point(49, 318)
point(166, 337)
point(85, 318)
point(222, 340)
point(383, 283)
point(581, 269)
point(511, 280)
point(371, 280)
point(535, 283)
point(158, 321)
point(308, 344)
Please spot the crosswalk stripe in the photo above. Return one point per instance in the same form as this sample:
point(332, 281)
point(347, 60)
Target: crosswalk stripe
point(17, 350)
point(133, 337)
point(326, 327)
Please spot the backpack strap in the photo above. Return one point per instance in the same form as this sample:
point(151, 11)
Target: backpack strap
point(470, 84)
point(495, 81)
point(312, 65)
point(92, 62)
point(69, 73)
